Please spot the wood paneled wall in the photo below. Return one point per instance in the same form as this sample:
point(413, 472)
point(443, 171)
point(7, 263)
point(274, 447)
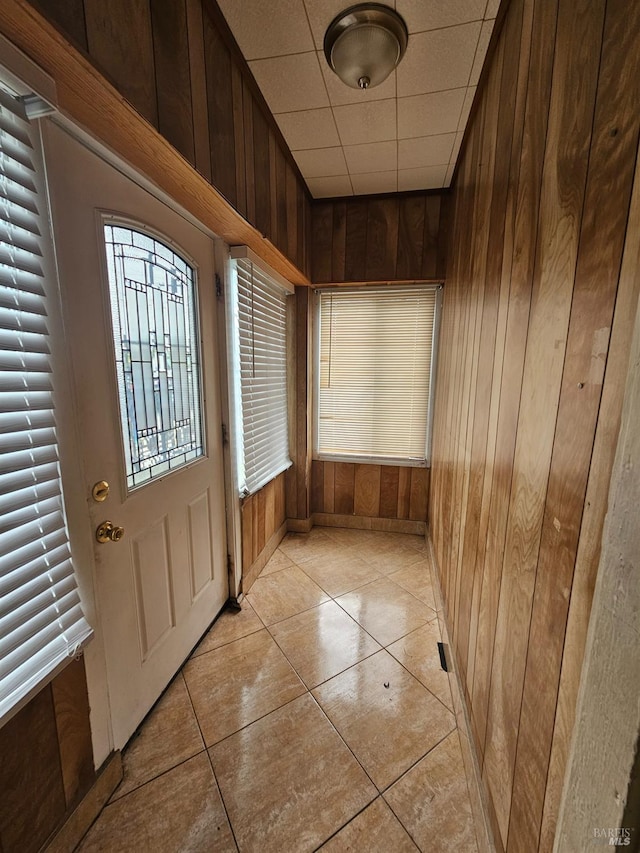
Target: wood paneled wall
point(534, 345)
point(369, 491)
point(378, 238)
point(263, 519)
point(177, 63)
point(47, 762)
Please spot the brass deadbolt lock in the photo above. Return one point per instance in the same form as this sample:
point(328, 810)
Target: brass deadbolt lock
point(100, 492)
point(109, 532)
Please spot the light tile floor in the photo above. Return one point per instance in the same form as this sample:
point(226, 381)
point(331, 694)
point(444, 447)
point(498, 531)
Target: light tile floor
point(317, 717)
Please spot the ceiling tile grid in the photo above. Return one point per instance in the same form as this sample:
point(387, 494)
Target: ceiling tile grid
point(404, 134)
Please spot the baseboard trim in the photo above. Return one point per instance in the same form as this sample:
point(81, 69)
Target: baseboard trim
point(75, 827)
point(362, 522)
point(263, 558)
point(477, 793)
point(299, 525)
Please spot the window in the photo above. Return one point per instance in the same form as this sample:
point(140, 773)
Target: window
point(260, 374)
point(41, 621)
point(375, 354)
point(154, 321)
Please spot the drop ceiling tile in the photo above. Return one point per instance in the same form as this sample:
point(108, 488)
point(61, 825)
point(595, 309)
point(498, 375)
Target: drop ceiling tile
point(291, 83)
point(492, 8)
point(375, 182)
point(438, 60)
point(321, 162)
point(340, 93)
point(330, 187)
point(260, 34)
point(419, 15)
point(372, 157)
point(481, 52)
point(428, 115)
point(370, 122)
point(321, 13)
point(309, 129)
point(426, 178)
point(425, 151)
point(466, 107)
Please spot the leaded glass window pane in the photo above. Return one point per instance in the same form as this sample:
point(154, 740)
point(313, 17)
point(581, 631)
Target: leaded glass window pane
point(154, 319)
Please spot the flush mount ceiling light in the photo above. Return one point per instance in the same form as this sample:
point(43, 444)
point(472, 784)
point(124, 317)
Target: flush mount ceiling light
point(365, 43)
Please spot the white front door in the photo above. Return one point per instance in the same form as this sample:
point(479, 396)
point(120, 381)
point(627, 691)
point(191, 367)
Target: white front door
point(147, 400)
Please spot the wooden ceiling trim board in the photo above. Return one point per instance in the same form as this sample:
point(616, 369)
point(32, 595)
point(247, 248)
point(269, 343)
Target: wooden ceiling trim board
point(85, 96)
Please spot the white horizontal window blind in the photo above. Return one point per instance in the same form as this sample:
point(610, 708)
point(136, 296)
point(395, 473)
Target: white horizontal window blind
point(262, 362)
point(376, 358)
point(41, 620)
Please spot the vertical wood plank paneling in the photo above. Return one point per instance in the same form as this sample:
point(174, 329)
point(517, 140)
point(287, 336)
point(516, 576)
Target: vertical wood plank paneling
point(579, 35)
point(220, 100)
point(611, 164)
point(270, 508)
point(322, 217)
point(537, 50)
point(33, 801)
point(173, 78)
point(282, 210)
point(246, 513)
point(250, 181)
point(272, 233)
point(338, 241)
point(344, 487)
point(71, 707)
point(198, 77)
point(329, 474)
point(431, 258)
point(317, 486)
point(261, 533)
point(404, 492)
point(262, 171)
point(178, 64)
point(356, 241)
point(291, 236)
point(410, 237)
point(382, 239)
point(119, 39)
point(370, 491)
point(481, 354)
point(262, 515)
point(378, 238)
point(304, 214)
point(499, 265)
point(525, 424)
point(366, 494)
point(302, 460)
point(69, 16)
point(239, 139)
point(595, 508)
point(389, 479)
point(418, 494)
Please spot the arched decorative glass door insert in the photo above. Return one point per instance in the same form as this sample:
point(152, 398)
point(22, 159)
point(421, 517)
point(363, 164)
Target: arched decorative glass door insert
point(155, 334)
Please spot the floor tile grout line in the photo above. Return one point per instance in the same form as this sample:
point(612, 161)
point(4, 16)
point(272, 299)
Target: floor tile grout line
point(416, 762)
point(157, 776)
point(224, 805)
point(386, 648)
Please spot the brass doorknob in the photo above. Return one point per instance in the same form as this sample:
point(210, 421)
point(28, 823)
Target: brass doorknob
point(109, 532)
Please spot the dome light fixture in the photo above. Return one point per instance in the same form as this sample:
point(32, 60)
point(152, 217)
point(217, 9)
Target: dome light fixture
point(365, 43)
